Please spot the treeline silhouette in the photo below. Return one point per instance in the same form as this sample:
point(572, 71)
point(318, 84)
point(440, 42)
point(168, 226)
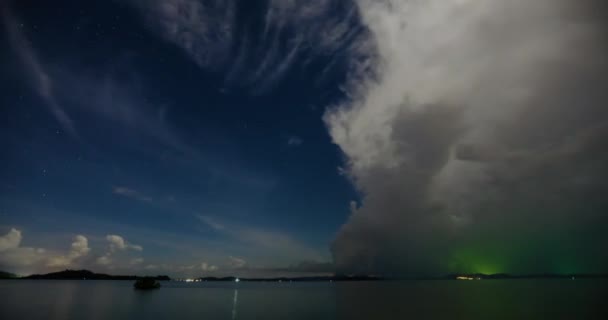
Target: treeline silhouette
point(89, 275)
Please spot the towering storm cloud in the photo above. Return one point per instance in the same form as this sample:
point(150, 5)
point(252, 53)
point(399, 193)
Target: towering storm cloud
point(478, 140)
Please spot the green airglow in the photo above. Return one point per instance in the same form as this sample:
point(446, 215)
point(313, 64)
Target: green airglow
point(475, 260)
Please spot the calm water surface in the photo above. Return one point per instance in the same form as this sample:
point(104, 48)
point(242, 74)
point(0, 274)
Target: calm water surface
point(485, 299)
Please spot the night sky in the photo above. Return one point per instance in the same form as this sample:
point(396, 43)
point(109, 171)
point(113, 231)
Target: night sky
point(286, 137)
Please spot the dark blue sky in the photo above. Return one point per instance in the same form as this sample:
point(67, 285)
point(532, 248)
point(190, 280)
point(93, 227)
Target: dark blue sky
point(272, 137)
point(157, 148)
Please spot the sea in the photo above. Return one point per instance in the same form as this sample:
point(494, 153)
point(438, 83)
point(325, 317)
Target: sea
point(408, 299)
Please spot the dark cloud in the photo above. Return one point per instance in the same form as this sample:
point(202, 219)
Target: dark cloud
point(478, 142)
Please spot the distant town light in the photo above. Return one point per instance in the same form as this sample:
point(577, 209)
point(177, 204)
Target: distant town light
point(237, 280)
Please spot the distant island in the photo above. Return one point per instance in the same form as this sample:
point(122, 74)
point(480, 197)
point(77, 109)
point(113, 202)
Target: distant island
point(7, 275)
point(293, 279)
point(481, 276)
point(89, 275)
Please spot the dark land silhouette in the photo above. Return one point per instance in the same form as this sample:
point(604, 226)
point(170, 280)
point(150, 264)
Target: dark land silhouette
point(7, 275)
point(89, 275)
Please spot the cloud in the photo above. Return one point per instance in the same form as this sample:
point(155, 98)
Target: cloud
point(39, 78)
point(131, 193)
point(203, 29)
point(117, 244)
point(210, 33)
point(236, 263)
point(15, 257)
point(208, 267)
point(473, 133)
point(122, 101)
point(299, 269)
point(12, 255)
point(294, 141)
point(211, 222)
point(104, 260)
point(79, 248)
point(308, 267)
point(266, 244)
point(187, 270)
point(25, 260)
point(11, 240)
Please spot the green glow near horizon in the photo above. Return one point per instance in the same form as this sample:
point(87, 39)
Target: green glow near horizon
point(523, 257)
point(469, 261)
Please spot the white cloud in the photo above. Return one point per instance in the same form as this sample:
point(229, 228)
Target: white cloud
point(21, 259)
point(11, 240)
point(131, 193)
point(104, 260)
point(211, 222)
point(207, 32)
point(13, 256)
point(203, 29)
point(118, 243)
point(208, 267)
point(79, 248)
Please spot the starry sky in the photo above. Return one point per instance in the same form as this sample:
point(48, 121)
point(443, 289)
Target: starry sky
point(286, 137)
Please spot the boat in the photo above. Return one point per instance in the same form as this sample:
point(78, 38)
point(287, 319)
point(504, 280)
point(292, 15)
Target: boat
point(146, 284)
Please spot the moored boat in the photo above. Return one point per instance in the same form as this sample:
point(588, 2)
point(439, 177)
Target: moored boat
point(146, 284)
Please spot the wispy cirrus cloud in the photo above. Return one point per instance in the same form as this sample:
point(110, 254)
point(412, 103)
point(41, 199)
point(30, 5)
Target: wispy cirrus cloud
point(236, 263)
point(293, 31)
point(39, 79)
point(261, 242)
point(131, 193)
point(294, 141)
point(211, 222)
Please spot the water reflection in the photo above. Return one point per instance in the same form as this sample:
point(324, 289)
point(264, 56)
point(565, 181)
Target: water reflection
point(63, 307)
point(234, 301)
point(116, 300)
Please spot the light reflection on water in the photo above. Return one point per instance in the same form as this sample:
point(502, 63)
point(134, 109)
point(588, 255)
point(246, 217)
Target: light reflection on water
point(518, 299)
point(234, 301)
